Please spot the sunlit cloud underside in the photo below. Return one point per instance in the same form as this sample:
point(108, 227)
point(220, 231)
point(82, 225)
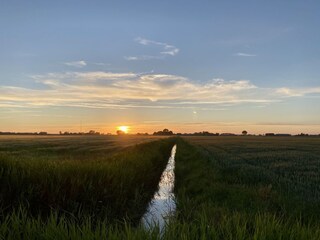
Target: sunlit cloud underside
point(134, 90)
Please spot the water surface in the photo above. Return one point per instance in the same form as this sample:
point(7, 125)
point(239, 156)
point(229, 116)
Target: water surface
point(163, 205)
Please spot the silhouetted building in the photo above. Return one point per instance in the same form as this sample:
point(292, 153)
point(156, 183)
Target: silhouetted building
point(270, 134)
point(227, 134)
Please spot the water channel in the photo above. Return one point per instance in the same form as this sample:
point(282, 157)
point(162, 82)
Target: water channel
point(162, 205)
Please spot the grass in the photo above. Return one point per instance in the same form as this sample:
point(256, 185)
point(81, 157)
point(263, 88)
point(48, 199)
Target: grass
point(226, 188)
point(237, 187)
point(113, 185)
point(278, 169)
point(227, 226)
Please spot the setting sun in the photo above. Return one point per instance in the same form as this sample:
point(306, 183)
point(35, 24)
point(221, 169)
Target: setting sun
point(125, 129)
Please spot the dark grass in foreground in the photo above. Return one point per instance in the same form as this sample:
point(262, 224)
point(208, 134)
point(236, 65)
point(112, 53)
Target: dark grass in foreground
point(113, 185)
point(226, 188)
point(230, 226)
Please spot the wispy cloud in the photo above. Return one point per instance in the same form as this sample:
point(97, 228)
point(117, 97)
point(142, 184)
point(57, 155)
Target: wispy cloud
point(141, 90)
point(101, 64)
point(77, 64)
point(171, 52)
point(165, 50)
point(298, 92)
point(130, 58)
point(239, 54)
point(142, 58)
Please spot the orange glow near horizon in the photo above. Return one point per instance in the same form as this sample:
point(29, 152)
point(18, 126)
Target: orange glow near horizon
point(182, 127)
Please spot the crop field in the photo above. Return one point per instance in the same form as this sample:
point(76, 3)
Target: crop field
point(104, 178)
point(250, 187)
point(289, 164)
point(98, 187)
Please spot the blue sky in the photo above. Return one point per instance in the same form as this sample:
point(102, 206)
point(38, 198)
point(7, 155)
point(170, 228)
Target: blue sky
point(218, 65)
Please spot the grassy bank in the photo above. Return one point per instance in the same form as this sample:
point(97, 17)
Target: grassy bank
point(112, 185)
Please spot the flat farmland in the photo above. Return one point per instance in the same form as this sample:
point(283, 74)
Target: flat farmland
point(99, 187)
point(244, 187)
point(108, 178)
point(59, 144)
point(291, 164)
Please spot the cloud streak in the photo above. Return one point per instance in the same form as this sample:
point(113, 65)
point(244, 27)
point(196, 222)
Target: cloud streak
point(290, 92)
point(141, 90)
point(165, 50)
point(239, 54)
point(77, 64)
point(142, 58)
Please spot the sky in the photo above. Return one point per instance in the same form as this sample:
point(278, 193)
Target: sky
point(218, 66)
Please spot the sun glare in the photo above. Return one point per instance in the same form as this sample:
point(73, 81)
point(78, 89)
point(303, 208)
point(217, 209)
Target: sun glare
point(125, 129)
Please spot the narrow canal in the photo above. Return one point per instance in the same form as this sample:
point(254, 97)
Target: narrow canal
point(162, 205)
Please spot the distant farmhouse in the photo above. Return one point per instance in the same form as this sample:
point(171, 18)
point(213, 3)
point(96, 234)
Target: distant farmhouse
point(270, 134)
point(279, 134)
point(227, 134)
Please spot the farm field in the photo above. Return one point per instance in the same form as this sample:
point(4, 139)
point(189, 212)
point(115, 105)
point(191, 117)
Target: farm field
point(289, 164)
point(82, 187)
point(98, 178)
point(249, 187)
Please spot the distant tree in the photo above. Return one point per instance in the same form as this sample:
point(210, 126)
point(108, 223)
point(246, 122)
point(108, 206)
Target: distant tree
point(142, 134)
point(163, 132)
point(244, 132)
point(303, 134)
point(120, 132)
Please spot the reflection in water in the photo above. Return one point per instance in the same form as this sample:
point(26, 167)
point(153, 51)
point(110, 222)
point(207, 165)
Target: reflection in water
point(163, 205)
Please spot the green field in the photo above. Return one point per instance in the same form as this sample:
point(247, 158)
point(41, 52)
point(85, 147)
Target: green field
point(98, 176)
point(98, 187)
point(249, 187)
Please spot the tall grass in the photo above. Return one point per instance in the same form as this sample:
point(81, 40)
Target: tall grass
point(102, 186)
point(222, 195)
point(207, 226)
